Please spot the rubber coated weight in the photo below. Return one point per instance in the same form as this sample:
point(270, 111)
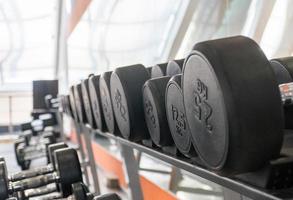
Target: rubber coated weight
point(96, 103)
point(68, 168)
point(87, 102)
point(79, 191)
point(149, 69)
point(155, 112)
point(68, 105)
point(110, 196)
point(174, 67)
point(72, 103)
point(177, 118)
point(232, 104)
point(52, 148)
point(4, 193)
point(79, 104)
point(283, 68)
point(126, 91)
point(159, 70)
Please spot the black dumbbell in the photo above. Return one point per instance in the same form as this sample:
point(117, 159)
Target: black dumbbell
point(106, 103)
point(96, 103)
point(155, 111)
point(177, 118)
point(40, 170)
point(91, 114)
point(126, 92)
point(233, 106)
point(67, 172)
point(25, 153)
point(174, 67)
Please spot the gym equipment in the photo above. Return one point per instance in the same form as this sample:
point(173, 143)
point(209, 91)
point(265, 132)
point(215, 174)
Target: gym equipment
point(41, 88)
point(283, 68)
point(96, 104)
point(40, 170)
point(72, 103)
point(232, 104)
point(174, 67)
point(87, 102)
point(155, 112)
point(25, 152)
point(51, 103)
point(64, 175)
point(79, 104)
point(177, 118)
point(126, 92)
point(159, 70)
point(106, 101)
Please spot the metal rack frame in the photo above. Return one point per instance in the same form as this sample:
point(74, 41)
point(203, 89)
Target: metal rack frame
point(232, 186)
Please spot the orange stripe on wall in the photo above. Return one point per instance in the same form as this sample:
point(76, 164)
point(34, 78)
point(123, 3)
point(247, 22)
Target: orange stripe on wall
point(151, 191)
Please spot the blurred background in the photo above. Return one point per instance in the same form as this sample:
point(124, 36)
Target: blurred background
point(68, 39)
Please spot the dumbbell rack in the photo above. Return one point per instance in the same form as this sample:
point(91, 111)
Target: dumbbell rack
point(233, 187)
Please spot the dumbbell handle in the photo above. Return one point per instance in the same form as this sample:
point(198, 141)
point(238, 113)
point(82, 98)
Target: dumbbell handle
point(40, 191)
point(34, 182)
point(31, 173)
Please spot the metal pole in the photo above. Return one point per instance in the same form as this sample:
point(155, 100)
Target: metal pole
point(90, 154)
point(81, 150)
point(131, 166)
point(10, 128)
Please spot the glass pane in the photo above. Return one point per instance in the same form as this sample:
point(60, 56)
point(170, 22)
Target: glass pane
point(28, 35)
point(269, 22)
point(115, 33)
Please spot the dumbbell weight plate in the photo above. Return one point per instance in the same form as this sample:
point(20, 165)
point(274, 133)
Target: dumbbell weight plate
point(79, 191)
point(3, 181)
point(87, 102)
point(155, 112)
point(18, 145)
point(106, 101)
point(174, 67)
point(52, 148)
point(94, 91)
point(159, 70)
point(68, 168)
point(177, 118)
point(232, 104)
point(283, 68)
point(72, 103)
point(126, 91)
point(79, 104)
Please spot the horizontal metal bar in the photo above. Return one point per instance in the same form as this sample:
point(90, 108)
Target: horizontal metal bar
point(185, 164)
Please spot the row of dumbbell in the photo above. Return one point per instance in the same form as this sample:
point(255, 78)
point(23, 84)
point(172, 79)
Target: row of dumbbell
point(225, 108)
point(35, 138)
point(63, 171)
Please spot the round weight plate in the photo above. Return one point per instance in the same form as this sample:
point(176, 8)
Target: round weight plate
point(87, 102)
point(232, 104)
point(286, 63)
point(280, 68)
point(107, 103)
point(79, 191)
point(52, 148)
point(4, 193)
point(68, 169)
point(283, 68)
point(94, 90)
point(72, 103)
point(174, 67)
point(126, 91)
point(68, 105)
point(79, 103)
point(177, 118)
point(159, 70)
point(155, 112)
